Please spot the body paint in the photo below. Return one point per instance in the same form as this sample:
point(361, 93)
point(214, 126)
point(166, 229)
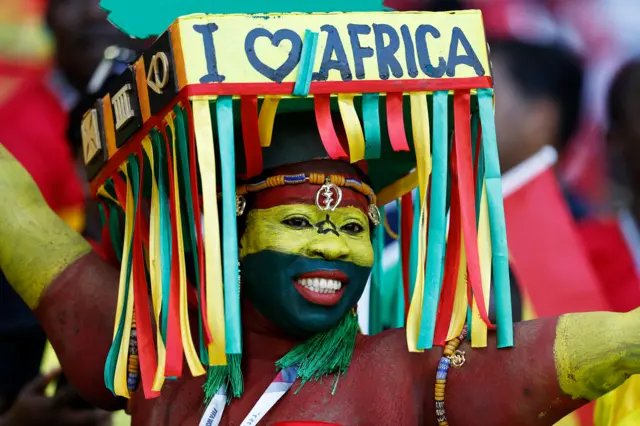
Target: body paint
point(38, 245)
point(596, 352)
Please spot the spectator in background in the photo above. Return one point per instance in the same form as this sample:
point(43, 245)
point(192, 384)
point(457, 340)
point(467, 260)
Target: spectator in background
point(538, 97)
point(613, 239)
point(623, 137)
point(621, 407)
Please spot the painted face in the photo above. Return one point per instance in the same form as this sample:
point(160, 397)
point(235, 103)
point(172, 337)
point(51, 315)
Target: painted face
point(304, 268)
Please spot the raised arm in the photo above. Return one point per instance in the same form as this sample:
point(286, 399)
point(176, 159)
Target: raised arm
point(558, 365)
point(70, 289)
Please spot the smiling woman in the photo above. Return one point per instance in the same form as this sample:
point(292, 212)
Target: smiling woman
point(293, 257)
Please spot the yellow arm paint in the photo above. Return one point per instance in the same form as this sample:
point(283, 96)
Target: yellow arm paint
point(596, 352)
point(36, 244)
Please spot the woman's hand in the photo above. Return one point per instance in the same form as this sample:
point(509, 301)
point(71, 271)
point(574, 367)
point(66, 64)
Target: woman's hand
point(33, 408)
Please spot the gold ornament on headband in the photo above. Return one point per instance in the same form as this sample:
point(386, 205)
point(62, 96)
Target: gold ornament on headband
point(374, 214)
point(332, 196)
point(241, 204)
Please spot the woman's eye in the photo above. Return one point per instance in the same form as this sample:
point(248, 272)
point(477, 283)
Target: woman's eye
point(352, 228)
point(297, 223)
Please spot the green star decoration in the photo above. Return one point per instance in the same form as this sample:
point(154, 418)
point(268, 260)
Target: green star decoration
point(146, 18)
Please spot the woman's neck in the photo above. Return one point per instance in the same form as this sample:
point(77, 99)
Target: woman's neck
point(262, 338)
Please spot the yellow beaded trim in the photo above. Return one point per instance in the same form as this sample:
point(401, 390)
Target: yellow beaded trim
point(451, 356)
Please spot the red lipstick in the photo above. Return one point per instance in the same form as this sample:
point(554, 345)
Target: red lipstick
point(323, 299)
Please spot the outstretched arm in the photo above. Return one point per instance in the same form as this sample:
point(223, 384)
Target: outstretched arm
point(558, 365)
point(71, 290)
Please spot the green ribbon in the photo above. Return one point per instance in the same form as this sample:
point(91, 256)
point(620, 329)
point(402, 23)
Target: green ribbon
point(112, 358)
point(499, 249)
point(371, 120)
point(184, 176)
point(161, 174)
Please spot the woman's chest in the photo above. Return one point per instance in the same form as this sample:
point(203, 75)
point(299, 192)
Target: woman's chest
point(357, 400)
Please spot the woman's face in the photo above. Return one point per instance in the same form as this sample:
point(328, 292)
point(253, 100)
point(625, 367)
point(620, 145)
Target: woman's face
point(304, 268)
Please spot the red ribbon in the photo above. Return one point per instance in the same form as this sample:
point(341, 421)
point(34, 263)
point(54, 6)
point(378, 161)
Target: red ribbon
point(451, 266)
point(144, 332)
point(466, 191)
point(174, 339)
point(106, 244)
point(330, 140)
point(251, 136)
point(395, 122)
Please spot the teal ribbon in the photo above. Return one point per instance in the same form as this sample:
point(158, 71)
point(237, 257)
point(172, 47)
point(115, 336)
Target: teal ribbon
point(161, 173)
point(500, 251)
point(305, 67)
point(371, 120)
point(112, 357)
point(377, 276)
point(397, 311)
point(437, 222)
point(415, 239)
point(224, 115)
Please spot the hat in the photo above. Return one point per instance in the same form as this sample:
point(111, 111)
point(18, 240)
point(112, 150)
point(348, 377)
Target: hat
point(194, 116)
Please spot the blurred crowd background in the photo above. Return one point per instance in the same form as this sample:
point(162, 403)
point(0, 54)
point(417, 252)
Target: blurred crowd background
point(568, 122)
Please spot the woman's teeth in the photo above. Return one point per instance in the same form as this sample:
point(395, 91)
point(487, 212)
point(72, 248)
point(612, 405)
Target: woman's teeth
point(321, 285)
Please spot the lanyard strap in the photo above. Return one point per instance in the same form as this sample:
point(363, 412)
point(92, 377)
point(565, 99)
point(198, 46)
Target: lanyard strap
point(276, 390)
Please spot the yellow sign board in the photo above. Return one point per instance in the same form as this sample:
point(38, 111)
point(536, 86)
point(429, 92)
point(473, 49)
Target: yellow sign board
point(351, 47)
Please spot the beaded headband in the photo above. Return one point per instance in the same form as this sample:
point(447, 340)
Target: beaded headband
point(328, 197)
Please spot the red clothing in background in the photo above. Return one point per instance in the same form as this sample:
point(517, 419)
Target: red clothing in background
point(33, 128)
point(612, 260)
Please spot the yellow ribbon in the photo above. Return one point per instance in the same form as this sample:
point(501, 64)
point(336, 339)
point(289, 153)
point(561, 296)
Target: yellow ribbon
point(212, 256)
point(103, 193)
point(397, 189)
point(422, 144)
point(120, 380)
point(352, 126)
point(478, 326)
point(155, 270)
point(190, 353)
point(265, 119)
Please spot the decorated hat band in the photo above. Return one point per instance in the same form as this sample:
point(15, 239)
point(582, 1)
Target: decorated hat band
point(328, 196)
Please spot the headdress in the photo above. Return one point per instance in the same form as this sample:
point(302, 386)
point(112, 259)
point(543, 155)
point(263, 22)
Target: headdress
point(413, 92)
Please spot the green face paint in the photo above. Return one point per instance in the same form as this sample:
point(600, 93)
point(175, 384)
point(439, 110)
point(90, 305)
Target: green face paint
point(294, 258)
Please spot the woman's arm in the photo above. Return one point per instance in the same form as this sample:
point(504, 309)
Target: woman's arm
point(72, 291)
point(557, 365)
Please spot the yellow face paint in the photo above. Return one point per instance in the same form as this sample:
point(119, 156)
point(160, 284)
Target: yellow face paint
point(275, 229)
point(36, 244)
point(596, 352)
point(283, 243)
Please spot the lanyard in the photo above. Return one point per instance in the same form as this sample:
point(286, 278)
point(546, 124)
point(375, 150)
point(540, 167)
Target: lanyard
point(276, 390)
